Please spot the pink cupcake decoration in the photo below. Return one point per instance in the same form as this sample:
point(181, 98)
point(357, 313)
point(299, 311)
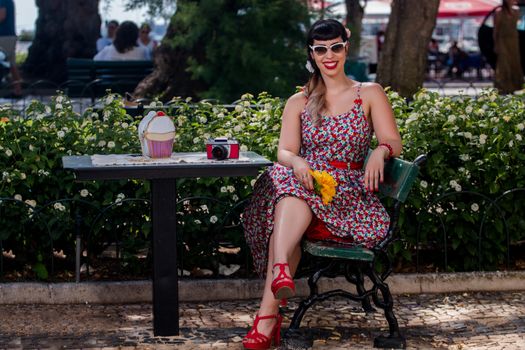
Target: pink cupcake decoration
point(156, 134)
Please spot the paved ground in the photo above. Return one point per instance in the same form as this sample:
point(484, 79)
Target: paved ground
point(456, 321)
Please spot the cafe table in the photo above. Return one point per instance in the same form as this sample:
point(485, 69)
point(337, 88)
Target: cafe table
point(162, 174)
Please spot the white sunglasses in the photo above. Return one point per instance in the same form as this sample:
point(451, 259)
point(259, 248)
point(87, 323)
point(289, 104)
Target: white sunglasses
point(321, 50)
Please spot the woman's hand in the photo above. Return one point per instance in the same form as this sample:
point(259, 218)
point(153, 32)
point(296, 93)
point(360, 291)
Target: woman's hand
point(301, 170)
point(375, 168)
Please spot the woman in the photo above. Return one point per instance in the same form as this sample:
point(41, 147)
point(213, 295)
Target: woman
point(124, 47)
point(326, 127)
point(144, 40)
point(509, 73)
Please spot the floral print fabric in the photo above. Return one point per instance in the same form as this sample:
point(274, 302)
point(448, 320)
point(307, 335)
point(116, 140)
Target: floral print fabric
point(355, 214)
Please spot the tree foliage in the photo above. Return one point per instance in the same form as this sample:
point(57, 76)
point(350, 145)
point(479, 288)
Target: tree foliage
point(223, 48)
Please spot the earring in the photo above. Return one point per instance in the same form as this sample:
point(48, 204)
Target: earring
point(309, 66)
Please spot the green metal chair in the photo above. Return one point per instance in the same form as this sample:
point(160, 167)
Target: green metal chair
point(355, 262)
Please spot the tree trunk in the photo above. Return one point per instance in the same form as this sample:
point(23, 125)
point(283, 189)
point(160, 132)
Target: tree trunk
point(169, 78)
point(64, 28)
point(403, 58)
point(354, 21)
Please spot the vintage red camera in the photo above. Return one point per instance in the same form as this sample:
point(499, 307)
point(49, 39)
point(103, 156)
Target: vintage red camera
point(221, 148)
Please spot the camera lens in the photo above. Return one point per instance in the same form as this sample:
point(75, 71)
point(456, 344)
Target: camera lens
point(219, 152)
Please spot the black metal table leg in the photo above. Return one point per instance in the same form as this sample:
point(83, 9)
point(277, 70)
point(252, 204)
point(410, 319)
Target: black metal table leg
point(165, 278)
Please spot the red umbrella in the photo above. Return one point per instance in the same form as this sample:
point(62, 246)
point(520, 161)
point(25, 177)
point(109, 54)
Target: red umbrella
point(466, 8)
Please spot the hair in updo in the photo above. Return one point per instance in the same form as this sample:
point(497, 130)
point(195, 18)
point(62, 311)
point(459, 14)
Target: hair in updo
point(324, 29)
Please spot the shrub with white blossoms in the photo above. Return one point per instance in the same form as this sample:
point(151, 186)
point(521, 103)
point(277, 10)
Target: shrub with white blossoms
point(474, 145)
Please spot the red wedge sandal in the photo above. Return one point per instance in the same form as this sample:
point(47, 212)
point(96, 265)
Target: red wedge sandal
point(283, 286)
point(259, 341)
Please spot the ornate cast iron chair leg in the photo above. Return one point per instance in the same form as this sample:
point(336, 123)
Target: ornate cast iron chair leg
point(312, 298)
point(394, 339)
point(360, 287)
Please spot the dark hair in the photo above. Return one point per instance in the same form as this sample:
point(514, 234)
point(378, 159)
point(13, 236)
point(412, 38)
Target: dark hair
point(145, 26)
point(324, 29)
point(126, 36)
point(114, 22)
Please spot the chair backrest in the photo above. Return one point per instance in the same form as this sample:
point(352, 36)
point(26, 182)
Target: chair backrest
point(399, 177)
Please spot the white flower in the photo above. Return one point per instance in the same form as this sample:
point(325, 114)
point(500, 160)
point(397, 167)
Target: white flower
point(224, 189)
point(244, 148)
point(237, 128)
point(59, 206)
point(124, 125)
point(235, 197)
point(8, 152)
point(213, 219)
point(121, 196)
point(511, 143)
point(252, 183)
point(220, 115)
point(204, 208)
point(47, 109)
point(461, 169)
point(84, 193)
point(5, 175)
point(480, 111)
point(31, 148)
point(61, 134)
point(267, 106)
point(423, 184)
point(518, 137)
point(111, 144)
point(109, 99)
point(101, 143)
point(467, 135)
point(520, 126)
point(94, 115)
point(468, 110)
point(196, 140)
point(59, 99)
point(453, 183)
point(203, 120)
point(457, 188)
point(58, 106)
point(474, 207)
point(482, 139)
point(197, 221)
point(23, 176)
point(31, 202)
point(478, 162)
point(230, 189)
point(439, 210)
point(464, 157)
point(451, 118)
point(239, 108)
point(18, 197)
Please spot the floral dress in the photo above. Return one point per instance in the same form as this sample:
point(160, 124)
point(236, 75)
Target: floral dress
point(354, 215)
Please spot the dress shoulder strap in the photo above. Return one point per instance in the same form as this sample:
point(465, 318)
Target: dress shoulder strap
point(359, 90)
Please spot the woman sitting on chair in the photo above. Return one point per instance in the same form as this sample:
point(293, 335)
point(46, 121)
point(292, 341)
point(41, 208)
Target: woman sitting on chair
point(124, 47)
point(327, 127)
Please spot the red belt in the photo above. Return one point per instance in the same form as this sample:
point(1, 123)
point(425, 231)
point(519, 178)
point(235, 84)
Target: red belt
point(346, 165)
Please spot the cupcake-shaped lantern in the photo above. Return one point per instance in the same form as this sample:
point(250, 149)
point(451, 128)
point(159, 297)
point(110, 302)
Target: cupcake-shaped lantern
point(156, 134)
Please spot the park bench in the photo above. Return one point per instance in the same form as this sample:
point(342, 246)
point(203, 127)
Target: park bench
point(356, 262)
point(89, 78)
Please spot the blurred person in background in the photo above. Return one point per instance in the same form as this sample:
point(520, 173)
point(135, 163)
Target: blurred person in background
point(112, 27)
point(8, 41)
point(124, 47)
point(509, 73)
point(145, 40)
point(457, 61)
